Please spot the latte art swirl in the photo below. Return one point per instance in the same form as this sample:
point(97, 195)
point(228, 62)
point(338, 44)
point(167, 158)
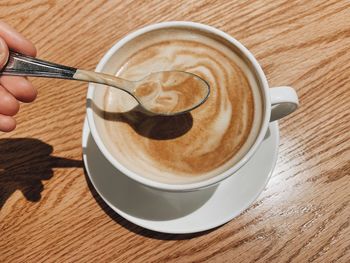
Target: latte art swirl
point(218, 133)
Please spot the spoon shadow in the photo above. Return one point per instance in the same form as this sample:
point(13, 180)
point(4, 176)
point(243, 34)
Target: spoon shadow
point(146, 124)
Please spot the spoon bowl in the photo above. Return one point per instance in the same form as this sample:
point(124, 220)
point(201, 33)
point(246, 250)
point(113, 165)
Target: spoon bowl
point(171, 92)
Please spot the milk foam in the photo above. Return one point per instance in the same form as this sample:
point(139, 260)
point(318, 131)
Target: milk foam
point(223, 128)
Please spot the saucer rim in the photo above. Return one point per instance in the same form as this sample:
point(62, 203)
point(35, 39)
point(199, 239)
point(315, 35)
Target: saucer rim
point(272, 125)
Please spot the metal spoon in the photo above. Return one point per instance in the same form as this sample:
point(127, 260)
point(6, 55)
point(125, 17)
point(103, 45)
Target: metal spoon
point(163, 93)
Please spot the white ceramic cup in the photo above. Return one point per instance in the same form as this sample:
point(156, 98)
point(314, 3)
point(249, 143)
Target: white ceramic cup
point(278, 102)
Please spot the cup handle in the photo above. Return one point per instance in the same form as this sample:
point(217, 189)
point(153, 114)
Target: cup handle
point(284, 100)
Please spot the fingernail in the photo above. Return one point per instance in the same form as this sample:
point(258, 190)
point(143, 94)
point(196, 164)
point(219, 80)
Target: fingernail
point(4, 52)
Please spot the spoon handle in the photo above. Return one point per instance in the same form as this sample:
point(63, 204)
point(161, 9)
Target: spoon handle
point(22, 65)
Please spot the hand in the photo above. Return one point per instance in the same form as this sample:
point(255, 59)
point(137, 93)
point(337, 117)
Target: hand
point(13, 89)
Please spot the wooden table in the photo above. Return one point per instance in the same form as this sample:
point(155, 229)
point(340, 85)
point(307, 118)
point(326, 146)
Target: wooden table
point(48, 211)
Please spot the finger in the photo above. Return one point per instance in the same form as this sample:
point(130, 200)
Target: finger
point(16, 41)
point(8, 104)
point(7, 123)
point(4, 52)
point(19, 87)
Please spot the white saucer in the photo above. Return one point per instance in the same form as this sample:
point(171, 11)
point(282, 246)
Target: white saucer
point(181, 213)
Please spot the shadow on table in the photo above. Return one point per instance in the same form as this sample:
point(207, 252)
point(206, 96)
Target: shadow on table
point(134, 228)
point(24, 164)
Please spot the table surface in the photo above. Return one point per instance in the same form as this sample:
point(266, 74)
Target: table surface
point(48, 211)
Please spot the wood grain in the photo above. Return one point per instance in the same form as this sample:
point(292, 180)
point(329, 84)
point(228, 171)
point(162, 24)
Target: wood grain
point(48, 213)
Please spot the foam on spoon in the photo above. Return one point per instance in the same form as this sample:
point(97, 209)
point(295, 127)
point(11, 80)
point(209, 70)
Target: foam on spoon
point(171, 92)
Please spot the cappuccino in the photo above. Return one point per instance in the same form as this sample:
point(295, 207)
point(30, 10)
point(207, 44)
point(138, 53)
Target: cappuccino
point(194, 146)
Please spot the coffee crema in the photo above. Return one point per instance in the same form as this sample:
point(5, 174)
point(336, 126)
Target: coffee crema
point(194, 146)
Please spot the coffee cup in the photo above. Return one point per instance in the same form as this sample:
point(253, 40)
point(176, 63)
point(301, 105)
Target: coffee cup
point(201, 148)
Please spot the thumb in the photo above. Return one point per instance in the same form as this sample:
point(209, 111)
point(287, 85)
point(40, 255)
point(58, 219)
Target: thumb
point(4, 52)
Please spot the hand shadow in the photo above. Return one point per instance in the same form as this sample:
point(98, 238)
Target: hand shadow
point(146, 124)
point(24, 163)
